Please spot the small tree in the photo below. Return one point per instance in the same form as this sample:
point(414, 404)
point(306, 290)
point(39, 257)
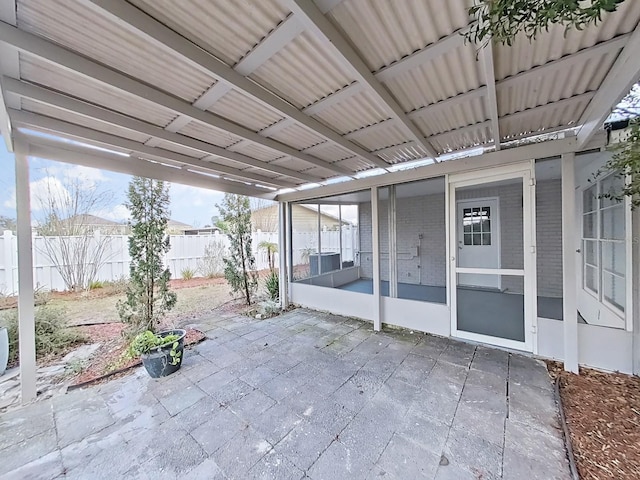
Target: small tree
point(70, 240)
point(212, 262)
point(271, 248)
point(148, 296)
point(240, 265)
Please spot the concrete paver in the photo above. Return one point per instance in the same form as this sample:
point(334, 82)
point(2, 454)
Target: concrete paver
point(303, 395)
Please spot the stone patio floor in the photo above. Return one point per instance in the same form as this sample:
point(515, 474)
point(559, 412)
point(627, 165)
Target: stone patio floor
point(302, 395)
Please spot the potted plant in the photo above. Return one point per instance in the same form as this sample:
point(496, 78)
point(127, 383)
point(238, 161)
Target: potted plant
point(161, 352)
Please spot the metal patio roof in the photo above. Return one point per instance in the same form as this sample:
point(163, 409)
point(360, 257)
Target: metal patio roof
point(254, 96)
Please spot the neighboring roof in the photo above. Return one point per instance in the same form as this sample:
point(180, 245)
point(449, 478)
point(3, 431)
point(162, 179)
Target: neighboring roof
point(87, 219)
point(306, 92)
point(175, 224)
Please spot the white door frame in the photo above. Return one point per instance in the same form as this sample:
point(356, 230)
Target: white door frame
point(495, 226)
point(525, 171)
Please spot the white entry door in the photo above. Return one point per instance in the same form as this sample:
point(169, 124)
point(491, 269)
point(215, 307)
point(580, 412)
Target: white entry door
point(478, 241)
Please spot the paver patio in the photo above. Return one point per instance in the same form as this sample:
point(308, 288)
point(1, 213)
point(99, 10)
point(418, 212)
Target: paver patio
point(303, 395)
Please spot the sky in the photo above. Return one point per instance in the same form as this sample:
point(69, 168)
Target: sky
point(191, 205)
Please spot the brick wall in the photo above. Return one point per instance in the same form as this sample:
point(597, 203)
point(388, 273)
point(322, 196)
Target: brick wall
point(549, 237)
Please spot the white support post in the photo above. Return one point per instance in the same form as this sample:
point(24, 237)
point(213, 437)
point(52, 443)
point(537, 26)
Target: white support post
point(375, 242)
point(289, 243)
point(393, 244)
point(26, 328)
point(282, 253)
point(340, 235)
point(569, 264)
point(319, 241)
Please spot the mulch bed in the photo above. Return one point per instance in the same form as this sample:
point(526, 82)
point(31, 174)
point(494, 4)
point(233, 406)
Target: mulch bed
point(108, 360)
point(603, 416)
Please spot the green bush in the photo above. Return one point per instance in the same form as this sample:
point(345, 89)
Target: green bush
point(272, 284)
point(187, 274)
point(52, 334)
point(95, 284)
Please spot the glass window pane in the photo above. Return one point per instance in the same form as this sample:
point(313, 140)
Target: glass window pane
point(614, 257)
point(486, 239)
point(491, 305)
point(591, 252)
point(304, 241)
point(421, 240)
point(591, 278)
point(467, 239)
point(613, 288)
point(612, 185)
point(590, 199)
point(589, 225)
point(613, 220)
point(476, 223)
point(477, 239)
point(486, 226)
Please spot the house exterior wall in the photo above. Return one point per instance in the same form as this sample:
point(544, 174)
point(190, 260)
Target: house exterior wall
point(549, 237)
point(304, 219)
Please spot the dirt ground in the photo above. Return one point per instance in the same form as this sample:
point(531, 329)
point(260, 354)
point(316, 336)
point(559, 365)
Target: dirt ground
point(195, 297)
point(603, 416)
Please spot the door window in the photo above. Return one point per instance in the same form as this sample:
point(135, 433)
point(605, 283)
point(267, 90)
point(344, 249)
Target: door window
point(476, 224)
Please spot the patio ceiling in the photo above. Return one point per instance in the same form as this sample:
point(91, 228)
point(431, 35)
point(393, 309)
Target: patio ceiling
point(261, 95)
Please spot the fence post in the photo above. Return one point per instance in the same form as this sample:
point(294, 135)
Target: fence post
point(7, 239)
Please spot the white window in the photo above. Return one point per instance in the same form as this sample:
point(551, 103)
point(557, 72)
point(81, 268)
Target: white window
point(603, 243)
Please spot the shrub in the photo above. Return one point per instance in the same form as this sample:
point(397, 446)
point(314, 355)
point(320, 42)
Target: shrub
point(212, 264)
point(52, 333)
point(272, 284)
point(187, 274)
point(95, 284)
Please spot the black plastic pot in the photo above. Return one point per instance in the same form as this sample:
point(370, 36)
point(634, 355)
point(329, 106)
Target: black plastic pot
point(159, 362)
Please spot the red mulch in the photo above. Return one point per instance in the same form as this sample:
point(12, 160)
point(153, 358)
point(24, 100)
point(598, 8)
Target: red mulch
point(109, 358)
point(603, 416)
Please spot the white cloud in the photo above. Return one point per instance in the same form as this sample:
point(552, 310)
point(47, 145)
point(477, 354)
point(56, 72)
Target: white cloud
point(46, 187)
point(118, 213)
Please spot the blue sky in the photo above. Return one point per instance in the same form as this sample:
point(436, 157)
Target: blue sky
point(190, 205)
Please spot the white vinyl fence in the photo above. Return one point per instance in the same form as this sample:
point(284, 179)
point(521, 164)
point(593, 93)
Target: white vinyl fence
point(186, 252)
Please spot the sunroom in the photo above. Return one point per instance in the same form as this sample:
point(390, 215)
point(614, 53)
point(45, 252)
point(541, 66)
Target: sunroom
point(478, 255)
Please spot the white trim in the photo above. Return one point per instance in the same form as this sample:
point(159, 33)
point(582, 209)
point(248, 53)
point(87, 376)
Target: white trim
point(24, 118)
point(48, 149)
point(522, 170)
point(629, 239)
point(468, 164)
point(569, 261)
point(315, 21)
point(491, 271)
